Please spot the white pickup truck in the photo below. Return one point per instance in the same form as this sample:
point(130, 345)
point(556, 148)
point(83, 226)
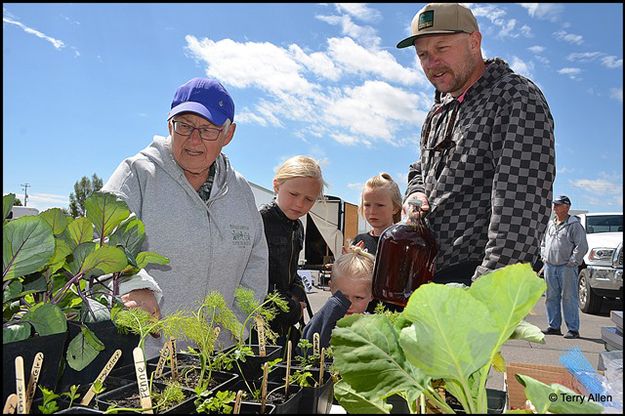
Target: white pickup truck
point(601, 274)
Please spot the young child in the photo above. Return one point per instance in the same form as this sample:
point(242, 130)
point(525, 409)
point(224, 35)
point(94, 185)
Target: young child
point(298, 183)
point(380, 205)
point(350, 285)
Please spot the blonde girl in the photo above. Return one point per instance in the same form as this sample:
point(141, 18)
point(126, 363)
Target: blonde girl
point(298, 184)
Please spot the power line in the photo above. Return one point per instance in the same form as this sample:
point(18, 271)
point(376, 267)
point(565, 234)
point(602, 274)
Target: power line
point(25, 188)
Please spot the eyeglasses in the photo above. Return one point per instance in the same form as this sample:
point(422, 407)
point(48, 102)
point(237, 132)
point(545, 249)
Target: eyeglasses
point(206, 133)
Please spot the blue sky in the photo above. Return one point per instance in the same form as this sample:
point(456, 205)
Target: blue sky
point(87, 85)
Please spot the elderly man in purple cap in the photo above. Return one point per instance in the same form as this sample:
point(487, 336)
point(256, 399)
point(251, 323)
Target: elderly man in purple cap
point(487, 156)
point(562, 250)
point(197, 210)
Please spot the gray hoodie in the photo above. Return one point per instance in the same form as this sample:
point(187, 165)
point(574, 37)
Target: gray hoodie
point(217, 245)
point(564, 243)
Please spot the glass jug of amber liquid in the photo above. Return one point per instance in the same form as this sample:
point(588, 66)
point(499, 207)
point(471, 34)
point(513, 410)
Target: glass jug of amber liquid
point(405, 259)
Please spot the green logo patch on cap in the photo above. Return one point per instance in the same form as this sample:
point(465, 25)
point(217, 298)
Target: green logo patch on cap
point(426, 19)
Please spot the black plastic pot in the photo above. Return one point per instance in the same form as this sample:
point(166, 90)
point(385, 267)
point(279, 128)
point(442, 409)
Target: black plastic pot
point(80, 410)
point(496, 402)
point(314, 399)
point(128, 372)
point(220, 380)
point(52, 347)
point(246, 408)
point(106, 332)
point(105, 400)
point(252, 367)
point(290, 406)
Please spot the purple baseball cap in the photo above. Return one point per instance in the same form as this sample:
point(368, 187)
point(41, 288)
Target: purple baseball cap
point(205, 97)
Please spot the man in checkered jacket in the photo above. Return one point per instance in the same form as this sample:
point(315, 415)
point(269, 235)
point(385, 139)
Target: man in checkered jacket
point(487, 161)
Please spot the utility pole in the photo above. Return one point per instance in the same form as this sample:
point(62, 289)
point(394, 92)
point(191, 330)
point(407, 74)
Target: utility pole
point(25, 188)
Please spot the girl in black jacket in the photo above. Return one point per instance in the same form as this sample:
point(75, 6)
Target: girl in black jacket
point(298, 184)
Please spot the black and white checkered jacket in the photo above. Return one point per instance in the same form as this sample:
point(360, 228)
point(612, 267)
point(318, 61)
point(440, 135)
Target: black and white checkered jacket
point(488, 171)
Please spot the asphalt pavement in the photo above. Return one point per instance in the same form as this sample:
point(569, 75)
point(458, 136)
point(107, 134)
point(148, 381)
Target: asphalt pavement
point(515, 351)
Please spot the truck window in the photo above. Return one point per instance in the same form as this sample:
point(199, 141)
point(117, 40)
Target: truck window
point(604, 223)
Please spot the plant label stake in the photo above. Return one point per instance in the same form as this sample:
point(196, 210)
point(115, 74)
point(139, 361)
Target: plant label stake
point(10, 405)
point(316, 343)
point(20, 386)
point(142, 380)
point(103, 374)
point(288, 368)
point(322, 365)
point(32, 381)
point(237, 403)
point(260, 326)
point(173, 360)
point(161, 361)
point(263, 388)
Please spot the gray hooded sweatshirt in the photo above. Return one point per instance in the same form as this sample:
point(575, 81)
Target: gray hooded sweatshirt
point(213, 246)
point(564, 243)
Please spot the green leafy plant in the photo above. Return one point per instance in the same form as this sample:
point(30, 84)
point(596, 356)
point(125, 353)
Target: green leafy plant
point(137, 321)
point(49, 401)
point(198, 328)
point(219, 403)
point(72, 394)
point(542, 397)
point(57, 268)
point(449, 334)
point(264, 311)
point(170, 396)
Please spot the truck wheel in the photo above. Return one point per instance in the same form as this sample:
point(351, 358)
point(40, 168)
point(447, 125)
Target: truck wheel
point(588, 301)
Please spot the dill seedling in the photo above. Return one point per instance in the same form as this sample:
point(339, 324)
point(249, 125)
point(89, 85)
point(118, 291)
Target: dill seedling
point(138, 321)
point(198, 328)
point(266, 311)
point(169, 397)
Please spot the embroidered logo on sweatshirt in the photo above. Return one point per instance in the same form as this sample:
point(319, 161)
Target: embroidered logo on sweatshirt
point(241, 235)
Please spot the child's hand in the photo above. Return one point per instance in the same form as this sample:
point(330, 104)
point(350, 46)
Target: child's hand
point(360, 245)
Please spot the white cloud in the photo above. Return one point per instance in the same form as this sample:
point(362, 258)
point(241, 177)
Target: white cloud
point(364, 35)
point(357, 186)
point(359, 10)
point(617, 94)
point(497, 17)
point(545, 11)
point(274, 69)
point(376, 110)
point(536, 49)
point(46, 201)
point(317, 62)
point(584, 56)
point(58, 44)
point(522, 67)
point(571, 72)
point(610, 191)
point(569, 37)
point(356, 59)
point(351, 112)
point(612, 62)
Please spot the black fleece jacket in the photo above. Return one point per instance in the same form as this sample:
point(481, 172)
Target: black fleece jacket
point(285, 239)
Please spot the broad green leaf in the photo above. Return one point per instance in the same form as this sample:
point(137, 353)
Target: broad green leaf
point(105, 212)
point(147, 257)
point(355, 403)
point(106, 259)
point(528, 332)
point(27, 246)
point(7, 203)
point(368, 356)
point(16, 332)
point(499, 363)
point(445, 341)
point(83, 349)
point(509, 293)
point(556, 398)
point(46, 318)
point(35, 282)
point(79, 256)
point(61, 251)
point(130, 235)
point(57, 220)
point(13, 291)
point(79, 231)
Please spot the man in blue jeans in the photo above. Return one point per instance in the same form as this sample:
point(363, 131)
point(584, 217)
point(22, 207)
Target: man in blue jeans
point(562, 250)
